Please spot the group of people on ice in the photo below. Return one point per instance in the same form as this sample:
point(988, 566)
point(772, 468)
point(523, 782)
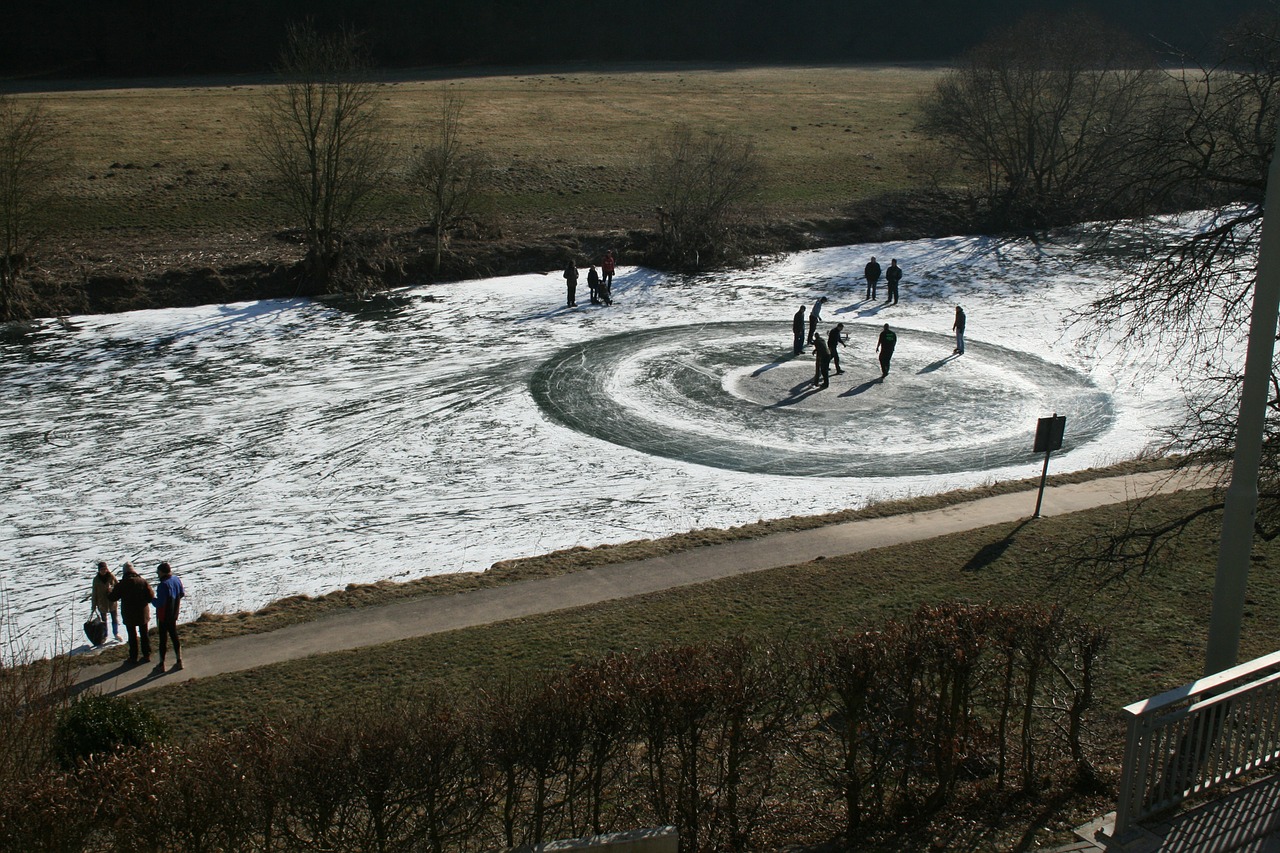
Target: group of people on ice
point(826, 349)
point(600, 283)
point(129, 599)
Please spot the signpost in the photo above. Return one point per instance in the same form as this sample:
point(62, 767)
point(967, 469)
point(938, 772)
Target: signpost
point(1048, 439)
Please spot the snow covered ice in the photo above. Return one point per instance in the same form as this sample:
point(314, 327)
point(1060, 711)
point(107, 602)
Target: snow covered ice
point(275, 448)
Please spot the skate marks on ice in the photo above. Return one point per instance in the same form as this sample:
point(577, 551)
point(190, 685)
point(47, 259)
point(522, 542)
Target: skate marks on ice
point(731, 395)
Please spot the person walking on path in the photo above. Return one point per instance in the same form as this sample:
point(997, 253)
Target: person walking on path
point(169, 593)
point(836, 339)
point(135, 596)
point(821, 363)
point(797, 328)
point(103, 582)
point(872, 272)
point(571, 281)
point(606, 276)
point(815, 316)
point(593, 283)
point(888, 340)
point(892, 276)
point(958, 327)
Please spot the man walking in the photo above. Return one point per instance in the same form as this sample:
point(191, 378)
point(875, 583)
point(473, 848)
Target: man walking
point(835, 339)
point(888, 340)
point(134, 595)
point(958, 327)
point(892, 276)
point(797, 328)
point(815, 316)
point(168, 596)
point(872, 272)
point(821, 363)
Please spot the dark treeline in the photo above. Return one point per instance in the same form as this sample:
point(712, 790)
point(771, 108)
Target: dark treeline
point(87, 38)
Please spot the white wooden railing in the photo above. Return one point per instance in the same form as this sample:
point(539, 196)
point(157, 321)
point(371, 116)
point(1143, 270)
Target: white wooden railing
point(1198, 736)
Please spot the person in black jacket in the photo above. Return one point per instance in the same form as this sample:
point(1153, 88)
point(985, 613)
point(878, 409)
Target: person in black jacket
point(135, 596)
point(571, 281)
point(958, 328)
point(593, 284)
point(821, 363)
point(797, 329)
point(872, 272)
point(892, 276)
point(836, 339)
point(888, 340)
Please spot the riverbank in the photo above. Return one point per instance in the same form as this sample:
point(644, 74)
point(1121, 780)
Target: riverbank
point(164, 202)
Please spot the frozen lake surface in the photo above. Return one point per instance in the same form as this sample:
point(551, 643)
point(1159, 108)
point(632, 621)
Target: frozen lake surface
point(275, 448)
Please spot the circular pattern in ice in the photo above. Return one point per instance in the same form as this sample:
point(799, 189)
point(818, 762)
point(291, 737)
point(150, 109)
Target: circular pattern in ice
point(731, 395)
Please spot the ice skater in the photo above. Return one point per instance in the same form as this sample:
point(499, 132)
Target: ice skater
point(815, 316)
point(888, 340)
point(821, 362)
point(836, 339)
point(892, 276)
point(571, 282)
point(958, 327)
point(797, 328)
point(872, 272)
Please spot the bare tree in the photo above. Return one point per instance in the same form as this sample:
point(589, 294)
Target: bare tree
point(27, 160)
point(1190, 296)
point(322, 137)
point(1047, 114)
point(701, 181)
point(451, 178)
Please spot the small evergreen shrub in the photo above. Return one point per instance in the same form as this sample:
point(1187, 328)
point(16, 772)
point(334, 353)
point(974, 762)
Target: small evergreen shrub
point(97, 725)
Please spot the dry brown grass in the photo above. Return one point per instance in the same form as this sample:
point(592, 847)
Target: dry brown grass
point(566, 146)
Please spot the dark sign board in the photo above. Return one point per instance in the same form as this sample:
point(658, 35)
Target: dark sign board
point(1049, 433)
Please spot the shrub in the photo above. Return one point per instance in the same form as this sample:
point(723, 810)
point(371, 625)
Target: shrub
point(95, 725)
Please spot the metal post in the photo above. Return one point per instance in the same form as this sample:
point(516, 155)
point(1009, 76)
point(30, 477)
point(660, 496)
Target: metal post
point(1223, 645)
point(1044, 475)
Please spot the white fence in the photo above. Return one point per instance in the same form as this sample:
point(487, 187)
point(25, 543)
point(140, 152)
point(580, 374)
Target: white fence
point(1199, 736)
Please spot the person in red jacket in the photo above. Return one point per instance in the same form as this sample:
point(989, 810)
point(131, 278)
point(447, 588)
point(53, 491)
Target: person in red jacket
point(606, 277)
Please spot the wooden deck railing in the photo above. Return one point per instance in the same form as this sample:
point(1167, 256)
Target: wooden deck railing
point(1198, 736)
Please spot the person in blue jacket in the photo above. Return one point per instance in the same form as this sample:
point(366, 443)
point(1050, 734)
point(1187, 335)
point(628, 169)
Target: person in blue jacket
point(169, 594)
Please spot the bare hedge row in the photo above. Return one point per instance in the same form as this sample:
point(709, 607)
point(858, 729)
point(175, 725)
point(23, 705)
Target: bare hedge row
point(734, 743)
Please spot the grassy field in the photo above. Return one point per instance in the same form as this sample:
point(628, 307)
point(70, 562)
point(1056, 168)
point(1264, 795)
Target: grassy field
point(566, 147)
